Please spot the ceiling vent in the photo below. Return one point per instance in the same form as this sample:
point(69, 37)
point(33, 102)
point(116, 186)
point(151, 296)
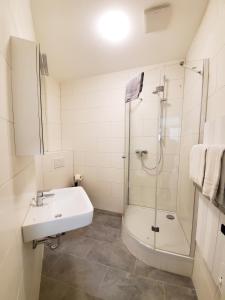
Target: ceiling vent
point(157, 18)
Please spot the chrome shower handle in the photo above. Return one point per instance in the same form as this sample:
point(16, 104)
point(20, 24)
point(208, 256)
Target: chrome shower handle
point(141, 152)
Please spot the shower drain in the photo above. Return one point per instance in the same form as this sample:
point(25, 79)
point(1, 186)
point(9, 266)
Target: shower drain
point(170, 217)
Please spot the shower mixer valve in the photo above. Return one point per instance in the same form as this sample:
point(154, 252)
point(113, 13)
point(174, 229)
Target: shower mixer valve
point(141, 152)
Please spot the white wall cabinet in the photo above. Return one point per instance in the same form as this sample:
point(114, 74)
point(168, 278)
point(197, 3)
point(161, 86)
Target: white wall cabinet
point(27, 106)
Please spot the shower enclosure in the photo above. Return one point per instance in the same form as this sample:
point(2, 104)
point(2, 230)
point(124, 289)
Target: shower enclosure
point(160, 129)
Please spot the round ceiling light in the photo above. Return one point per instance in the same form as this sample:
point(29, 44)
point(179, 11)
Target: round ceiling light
point(114, 26)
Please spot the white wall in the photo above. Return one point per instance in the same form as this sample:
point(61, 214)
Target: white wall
point(93, 127)
point(57, 165)
point(57, 169)
point(209, 43)
point(210, 253)
point(20, 265)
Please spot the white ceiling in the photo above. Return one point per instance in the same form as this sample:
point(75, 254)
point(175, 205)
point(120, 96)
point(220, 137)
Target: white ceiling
point(67, 32)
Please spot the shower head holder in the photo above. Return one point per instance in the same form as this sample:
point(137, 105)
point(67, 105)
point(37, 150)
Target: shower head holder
point(158, 89)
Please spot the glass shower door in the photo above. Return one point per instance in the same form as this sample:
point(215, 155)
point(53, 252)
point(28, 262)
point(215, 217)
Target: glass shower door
point(175, 191)
point(169, 129)
point(160, 202)
point(143, 121)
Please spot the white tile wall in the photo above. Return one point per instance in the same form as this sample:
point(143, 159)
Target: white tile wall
point(202, 279)
point(209, 238)
point(54, 177)
point(52, 111)
point(20, 265)
point(93, 127)
point(209, 43)
point(208, 222)
point(218, 268)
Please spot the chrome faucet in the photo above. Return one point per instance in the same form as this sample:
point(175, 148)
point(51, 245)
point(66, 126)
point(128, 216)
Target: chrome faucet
point(41, 195)
point(39, 198)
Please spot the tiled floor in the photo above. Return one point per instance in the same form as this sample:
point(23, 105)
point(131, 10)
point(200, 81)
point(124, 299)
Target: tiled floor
point(92, 264)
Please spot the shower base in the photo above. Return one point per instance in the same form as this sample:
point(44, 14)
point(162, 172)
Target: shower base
point(172, 249)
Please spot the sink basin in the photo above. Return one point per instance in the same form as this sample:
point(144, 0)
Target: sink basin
point(68, 209)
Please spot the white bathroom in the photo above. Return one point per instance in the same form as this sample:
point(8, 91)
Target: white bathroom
point(112, 150)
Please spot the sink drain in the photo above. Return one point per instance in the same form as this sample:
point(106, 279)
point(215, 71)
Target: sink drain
point(170, 217)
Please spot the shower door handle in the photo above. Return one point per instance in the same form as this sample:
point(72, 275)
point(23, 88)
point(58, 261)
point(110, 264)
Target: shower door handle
point(123, 156)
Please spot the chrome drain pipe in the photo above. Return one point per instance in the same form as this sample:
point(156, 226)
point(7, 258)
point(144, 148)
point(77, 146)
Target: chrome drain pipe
point(52, 242)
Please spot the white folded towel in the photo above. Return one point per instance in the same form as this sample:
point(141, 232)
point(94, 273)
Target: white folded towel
point(219, 201)
point(197, 164)
point(214, 157)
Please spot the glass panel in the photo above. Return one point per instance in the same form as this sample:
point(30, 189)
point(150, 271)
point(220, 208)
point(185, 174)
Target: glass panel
point(143, 159)
point(175, 192)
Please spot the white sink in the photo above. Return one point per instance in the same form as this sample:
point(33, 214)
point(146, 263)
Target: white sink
point(69, 209)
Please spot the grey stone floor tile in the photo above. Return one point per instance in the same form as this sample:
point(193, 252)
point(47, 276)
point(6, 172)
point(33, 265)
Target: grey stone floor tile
point(120, 285)
point(102, 232)
point(74, 234)
point(179, 293)
point(116, 285)
point(141, 269)
point(149, 289)
point(107, 220)
point(106, 212)
point(52, 289)
point(78, 294)
point(79, 273)
point(104, 228)
point(49, 259)
point(92, 263)
point(79, 246)
point(112, 254)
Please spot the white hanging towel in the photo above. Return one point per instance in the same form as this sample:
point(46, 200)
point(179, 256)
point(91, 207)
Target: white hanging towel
point(197, 164)
point(213, 168)
point(219, 201)
point(134, 88)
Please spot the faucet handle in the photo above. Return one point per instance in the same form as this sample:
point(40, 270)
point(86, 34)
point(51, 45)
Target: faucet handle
point(39, 201)
point(40, 193)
